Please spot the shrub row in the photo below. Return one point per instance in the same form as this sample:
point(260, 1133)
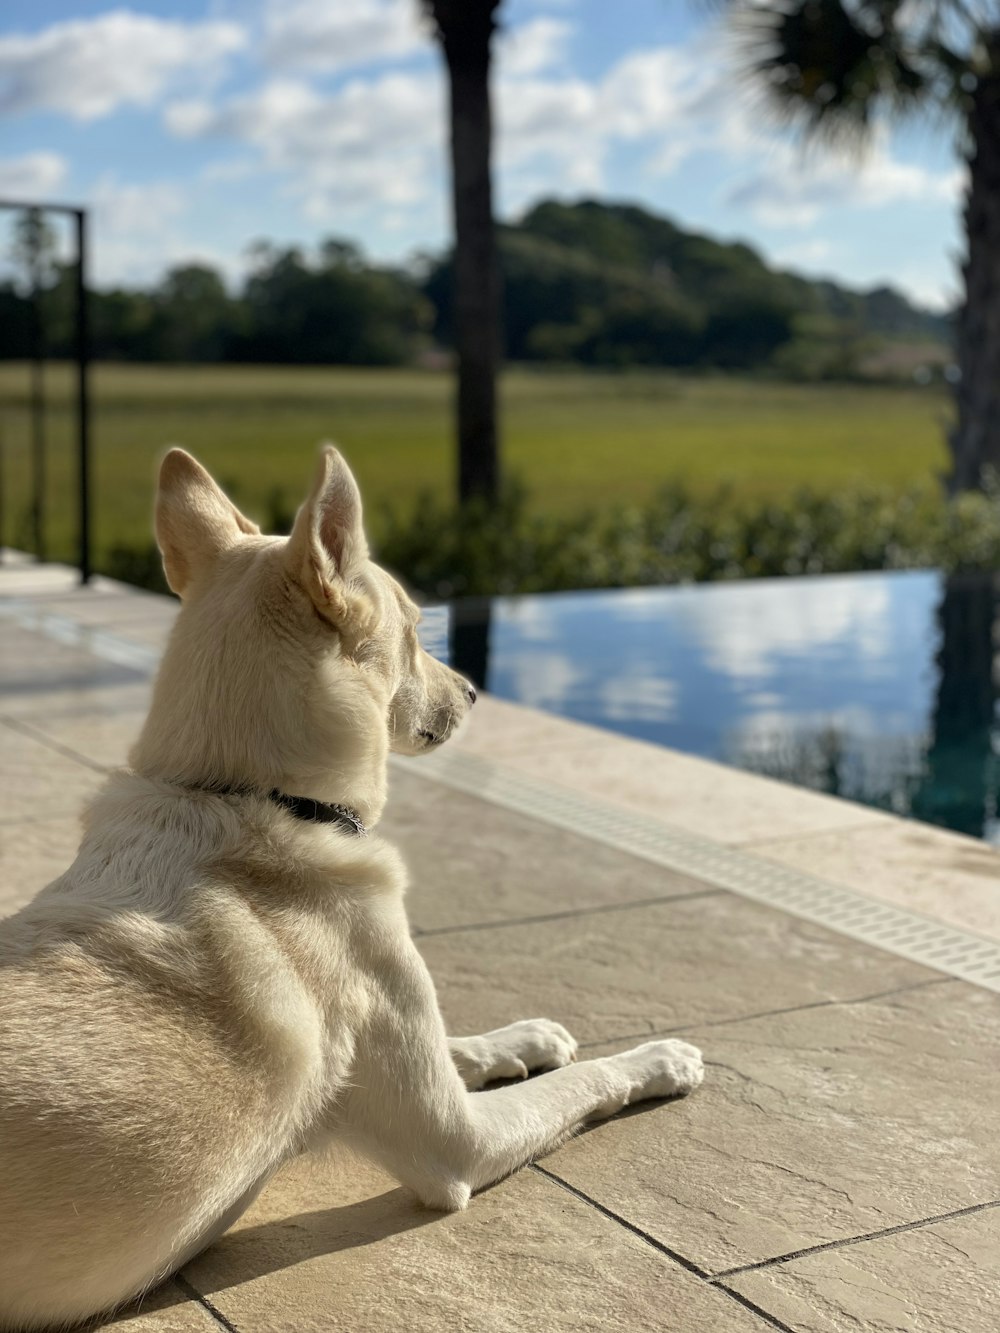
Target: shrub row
point(681, 538)
point(445, 551)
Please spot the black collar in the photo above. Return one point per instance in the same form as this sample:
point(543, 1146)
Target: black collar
point(304, 807)
point(319, 812)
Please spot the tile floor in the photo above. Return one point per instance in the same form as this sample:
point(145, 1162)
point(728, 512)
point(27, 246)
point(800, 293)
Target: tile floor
point(838, 1170)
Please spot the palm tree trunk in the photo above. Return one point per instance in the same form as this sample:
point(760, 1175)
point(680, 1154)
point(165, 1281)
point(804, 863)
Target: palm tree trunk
point(465, 28)
point(958, 788)
point(975, 439)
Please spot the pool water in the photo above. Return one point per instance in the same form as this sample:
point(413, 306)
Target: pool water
point(878, 687)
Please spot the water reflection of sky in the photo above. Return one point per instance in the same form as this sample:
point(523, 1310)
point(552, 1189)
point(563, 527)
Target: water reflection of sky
point(828, 681)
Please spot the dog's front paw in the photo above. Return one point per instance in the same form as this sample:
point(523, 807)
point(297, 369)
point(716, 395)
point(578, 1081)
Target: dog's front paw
point(665, 1069)
point(515, 1051)
point(532, 1044)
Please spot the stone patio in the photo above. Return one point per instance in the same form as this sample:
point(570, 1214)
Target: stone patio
point(839, 1169)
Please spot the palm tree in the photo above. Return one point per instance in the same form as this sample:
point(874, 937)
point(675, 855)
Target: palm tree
point(839, 68)
point(465, 30)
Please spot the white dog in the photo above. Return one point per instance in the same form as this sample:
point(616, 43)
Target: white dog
point(224, 977)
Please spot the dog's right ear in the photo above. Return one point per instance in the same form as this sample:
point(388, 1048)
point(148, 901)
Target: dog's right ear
point(194, 519)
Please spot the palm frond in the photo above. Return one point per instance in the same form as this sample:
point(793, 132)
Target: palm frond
point(828, 65)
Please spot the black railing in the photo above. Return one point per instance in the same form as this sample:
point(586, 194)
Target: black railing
point(82, 359)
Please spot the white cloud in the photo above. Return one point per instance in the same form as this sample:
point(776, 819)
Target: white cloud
point(534, 46)
point(88, 68)
point(379, 140)
point(371, 143)
point(121, 209)
point(809, 254)
point(371, 146)
point(791, 189)
point(127, 216)
point(557, 132)
point(334, 36)
point(33, 176)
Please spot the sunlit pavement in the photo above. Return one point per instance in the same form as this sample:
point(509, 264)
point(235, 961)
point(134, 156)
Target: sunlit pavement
point(839, 1167)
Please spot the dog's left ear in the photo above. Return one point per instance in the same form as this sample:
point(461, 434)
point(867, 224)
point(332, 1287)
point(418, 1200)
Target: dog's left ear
point(194, 520)
point(327, 544)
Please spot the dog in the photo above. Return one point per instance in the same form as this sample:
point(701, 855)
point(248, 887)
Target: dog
point(224, 978)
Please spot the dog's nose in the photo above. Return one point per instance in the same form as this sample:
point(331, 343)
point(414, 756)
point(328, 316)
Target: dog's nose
point(471, 692)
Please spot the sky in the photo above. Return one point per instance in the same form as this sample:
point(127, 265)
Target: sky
point(193, 129)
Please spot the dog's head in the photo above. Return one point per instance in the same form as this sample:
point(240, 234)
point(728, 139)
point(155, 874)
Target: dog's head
point(294, 660)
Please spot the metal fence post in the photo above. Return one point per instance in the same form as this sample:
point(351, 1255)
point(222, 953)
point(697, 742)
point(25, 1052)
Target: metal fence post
point(83, 394)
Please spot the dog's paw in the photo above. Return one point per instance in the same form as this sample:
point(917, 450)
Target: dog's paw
point(515, 1051)
point(665, 1069)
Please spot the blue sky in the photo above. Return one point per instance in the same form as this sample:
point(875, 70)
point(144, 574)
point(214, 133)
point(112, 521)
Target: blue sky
point(195, 128)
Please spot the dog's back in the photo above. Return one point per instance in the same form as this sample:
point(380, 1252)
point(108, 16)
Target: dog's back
point(133, 1013)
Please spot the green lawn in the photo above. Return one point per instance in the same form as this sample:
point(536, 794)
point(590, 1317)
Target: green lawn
point(576, 439)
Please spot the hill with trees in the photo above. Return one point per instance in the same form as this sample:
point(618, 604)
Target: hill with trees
point(590, 283)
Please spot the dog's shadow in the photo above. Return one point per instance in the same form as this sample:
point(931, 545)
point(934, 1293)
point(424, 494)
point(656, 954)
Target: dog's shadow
point(255, 1251)
point(269, 1247)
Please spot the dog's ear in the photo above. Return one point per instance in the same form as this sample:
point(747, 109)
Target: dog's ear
point(194, 520)
point(327, 545)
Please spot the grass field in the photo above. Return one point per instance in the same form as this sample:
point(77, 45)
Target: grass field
point(577, 440)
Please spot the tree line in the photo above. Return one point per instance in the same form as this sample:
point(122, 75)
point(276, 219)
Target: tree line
point(591, 283)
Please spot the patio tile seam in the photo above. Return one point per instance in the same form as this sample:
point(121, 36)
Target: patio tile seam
point(847, 1241)
point(720, 1278)
point(771, 1320)
point(769, 1013)
point(612, 1216)
point(664, 1250)
point(211, 1310)
point(433, 931)
point(26, 729)
point(803, 835)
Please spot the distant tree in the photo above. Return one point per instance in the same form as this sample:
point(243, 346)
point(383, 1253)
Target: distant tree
point(841, 67)
point(613, 285)
point(193, 315)
point(465, 30)
point(34, 252)
point(338, 310)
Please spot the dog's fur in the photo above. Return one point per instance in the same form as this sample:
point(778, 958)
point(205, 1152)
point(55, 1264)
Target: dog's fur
point(215, 986)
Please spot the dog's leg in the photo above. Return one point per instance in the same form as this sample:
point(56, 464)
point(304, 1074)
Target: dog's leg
point(405, 1103)
point(515, 1051)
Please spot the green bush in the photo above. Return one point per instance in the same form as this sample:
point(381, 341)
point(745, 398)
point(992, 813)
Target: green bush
point(446, 551)
point(681, 538)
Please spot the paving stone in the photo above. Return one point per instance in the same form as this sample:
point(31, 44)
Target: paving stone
point(609, 975)
point(37, 782)
point(336, 1245)
point(20, 578)
point(942, 1278)
point(166, 1310)
point(107, 694)
point(928, 870)
point(104, 735)
point(697, 795)
point(471, 861)
point(32, 854)
point(56, 682)
point(812, 1126)
point(112, 606)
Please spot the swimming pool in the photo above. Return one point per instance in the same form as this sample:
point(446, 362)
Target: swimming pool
point(878, 687)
